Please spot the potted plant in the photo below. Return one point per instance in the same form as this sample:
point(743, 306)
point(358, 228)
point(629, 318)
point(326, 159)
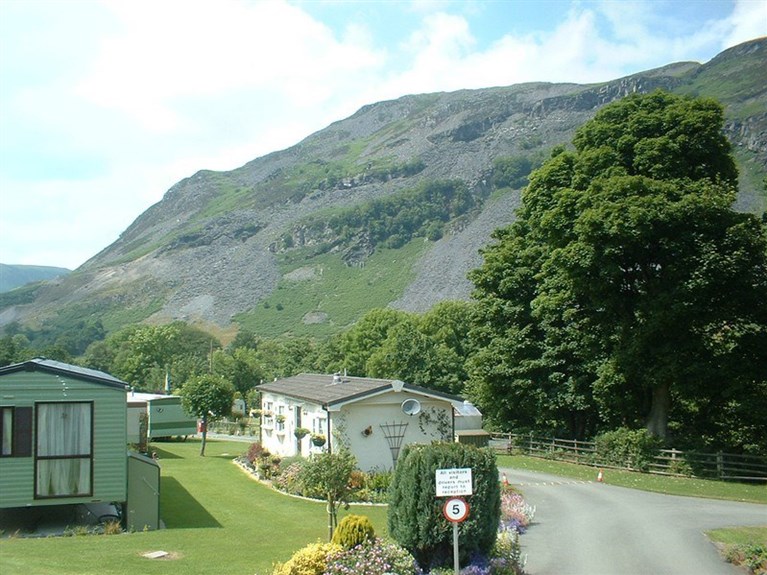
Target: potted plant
point(318, 440)
point(301, 432)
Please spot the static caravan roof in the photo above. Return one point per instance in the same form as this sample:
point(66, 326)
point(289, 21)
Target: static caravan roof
point(60, 368)
point(140, 398)
point(330, 390)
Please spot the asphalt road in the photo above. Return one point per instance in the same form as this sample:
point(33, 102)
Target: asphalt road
point(595, 528)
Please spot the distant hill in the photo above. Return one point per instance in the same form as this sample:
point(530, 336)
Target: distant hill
point(388, 207)
point(15, 276)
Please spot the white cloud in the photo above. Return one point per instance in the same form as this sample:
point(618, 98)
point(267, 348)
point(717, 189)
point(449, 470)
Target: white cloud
point(748, 21)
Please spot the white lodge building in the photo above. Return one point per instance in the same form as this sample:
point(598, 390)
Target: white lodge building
point(374, 418)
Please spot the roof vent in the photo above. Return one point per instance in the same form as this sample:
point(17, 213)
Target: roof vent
point(337, 379)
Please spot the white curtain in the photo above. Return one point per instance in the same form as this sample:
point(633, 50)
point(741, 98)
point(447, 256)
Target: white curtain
point(7, 431)
point(63, 449)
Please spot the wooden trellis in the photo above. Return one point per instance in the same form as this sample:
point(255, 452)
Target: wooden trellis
point(394, 433)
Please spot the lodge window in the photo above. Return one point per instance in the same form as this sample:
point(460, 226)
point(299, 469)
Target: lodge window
point(318, 425)
point(64, 455)
point(280, 418)
point(15, 431)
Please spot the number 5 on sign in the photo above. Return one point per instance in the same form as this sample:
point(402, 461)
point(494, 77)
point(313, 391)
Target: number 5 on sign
point(455, 509)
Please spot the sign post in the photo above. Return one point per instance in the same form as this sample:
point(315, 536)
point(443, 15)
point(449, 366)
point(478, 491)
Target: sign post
point(453, 483)
point(455, 510)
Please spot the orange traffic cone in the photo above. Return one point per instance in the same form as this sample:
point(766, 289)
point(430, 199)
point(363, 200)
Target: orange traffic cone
point(505, 480)
point(600, 477)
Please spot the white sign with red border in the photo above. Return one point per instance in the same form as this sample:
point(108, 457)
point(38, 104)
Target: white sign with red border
point(456, 509)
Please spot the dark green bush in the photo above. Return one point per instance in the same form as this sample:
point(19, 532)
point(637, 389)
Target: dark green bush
point(415, 514)
point(353, 530)
point(631, 448)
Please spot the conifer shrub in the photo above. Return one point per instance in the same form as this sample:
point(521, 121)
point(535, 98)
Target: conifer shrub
point(309, 560)
point(353, 530)
point(415, 518)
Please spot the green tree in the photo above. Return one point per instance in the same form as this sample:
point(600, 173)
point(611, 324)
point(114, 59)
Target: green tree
point(415, 517)
point(629, 287)
point(405, 354)
point(209, 397)
point(241, 366)
point(327, 475)
point(366, 336)
point(511, 172)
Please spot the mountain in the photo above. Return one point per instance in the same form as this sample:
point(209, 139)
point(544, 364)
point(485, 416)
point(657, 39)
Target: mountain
point(387, 207)
point(12, 276)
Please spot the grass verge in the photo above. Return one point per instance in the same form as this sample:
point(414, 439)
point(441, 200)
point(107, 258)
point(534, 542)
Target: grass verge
point(748, 492)
point(744, 546)
point(218, 520)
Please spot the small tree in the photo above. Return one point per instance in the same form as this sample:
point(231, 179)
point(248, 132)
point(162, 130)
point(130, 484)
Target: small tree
point(209, 397)
point(415, 514)
point(327, 475)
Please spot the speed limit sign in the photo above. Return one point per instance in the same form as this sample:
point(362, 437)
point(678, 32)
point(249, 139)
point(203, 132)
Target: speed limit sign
point(456, 509)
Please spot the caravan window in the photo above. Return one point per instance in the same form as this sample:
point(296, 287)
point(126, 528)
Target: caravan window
point(64, 462)
point(6, 431)
point(15, 431)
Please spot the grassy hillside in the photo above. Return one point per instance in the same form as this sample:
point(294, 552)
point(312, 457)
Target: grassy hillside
point(320, 295)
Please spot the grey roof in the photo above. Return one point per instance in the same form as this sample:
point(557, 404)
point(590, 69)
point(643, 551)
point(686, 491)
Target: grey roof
point(331, 389)
point(60, 368)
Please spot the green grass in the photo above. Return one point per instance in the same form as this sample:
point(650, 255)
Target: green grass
point(753, 493)
point(218, 520)
point(743, 546)
point(739, 536)
point(341, 292)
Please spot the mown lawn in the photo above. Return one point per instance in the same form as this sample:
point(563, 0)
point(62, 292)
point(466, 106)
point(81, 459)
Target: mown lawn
point(218, 520)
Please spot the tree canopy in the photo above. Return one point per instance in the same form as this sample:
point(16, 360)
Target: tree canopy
point(628, 291)
point(208, 397)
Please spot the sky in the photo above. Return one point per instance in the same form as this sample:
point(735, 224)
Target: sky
point(105, 104)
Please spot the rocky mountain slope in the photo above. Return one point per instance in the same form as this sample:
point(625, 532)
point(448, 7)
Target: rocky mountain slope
point(221, 246)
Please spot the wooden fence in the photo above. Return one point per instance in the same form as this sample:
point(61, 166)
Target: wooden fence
point(724, 466)
point(246, 427)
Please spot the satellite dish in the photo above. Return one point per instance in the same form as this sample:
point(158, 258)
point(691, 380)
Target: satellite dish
point(411, 407)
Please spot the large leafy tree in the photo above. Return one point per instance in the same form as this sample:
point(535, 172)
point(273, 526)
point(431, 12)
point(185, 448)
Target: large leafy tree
point(629, 291)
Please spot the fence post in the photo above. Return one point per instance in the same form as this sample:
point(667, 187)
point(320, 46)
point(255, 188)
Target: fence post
point(530, 449)
point(719, 465)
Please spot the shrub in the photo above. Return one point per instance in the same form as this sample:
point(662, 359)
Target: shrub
point(289, 478)
point(373, 557)
point(415, 515)
point(310, 560)
point(353, 530)
point(623, 447)
point(751, 556)
point(255, 452)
